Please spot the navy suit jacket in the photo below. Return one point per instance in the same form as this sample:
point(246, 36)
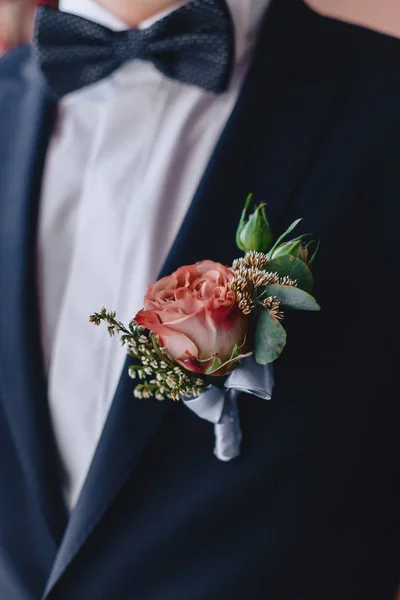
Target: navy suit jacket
point(310, 511)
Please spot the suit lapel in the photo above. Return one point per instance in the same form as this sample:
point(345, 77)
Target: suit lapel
point(24, 134)
point(266, 148)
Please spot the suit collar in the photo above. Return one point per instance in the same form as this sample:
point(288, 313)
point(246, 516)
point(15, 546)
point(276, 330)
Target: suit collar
point(268, 145)
point(23, 138)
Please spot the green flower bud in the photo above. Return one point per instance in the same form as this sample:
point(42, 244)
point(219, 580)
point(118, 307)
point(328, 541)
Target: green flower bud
point(254, 232)
point(292, 248)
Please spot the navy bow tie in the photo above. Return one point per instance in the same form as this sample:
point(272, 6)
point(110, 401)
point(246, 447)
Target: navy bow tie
point(194, 44)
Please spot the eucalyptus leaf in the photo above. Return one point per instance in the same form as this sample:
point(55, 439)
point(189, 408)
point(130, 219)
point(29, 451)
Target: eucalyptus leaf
point(270, 339)
point(292, 297)
point(294, 268)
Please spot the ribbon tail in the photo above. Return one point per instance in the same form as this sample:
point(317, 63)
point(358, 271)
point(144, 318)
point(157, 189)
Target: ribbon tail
point(228, 432)
point(220, 405)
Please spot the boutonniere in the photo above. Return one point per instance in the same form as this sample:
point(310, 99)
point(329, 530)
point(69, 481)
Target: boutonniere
point(209, 332)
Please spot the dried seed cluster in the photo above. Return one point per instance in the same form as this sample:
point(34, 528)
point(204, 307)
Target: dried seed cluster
point(246, 282)
point(258, 260)
point(287, 281)
point(249, 275)
point(160, 376)
point(272, 304)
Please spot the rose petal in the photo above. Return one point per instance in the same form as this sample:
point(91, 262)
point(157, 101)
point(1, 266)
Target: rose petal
point(194, 314)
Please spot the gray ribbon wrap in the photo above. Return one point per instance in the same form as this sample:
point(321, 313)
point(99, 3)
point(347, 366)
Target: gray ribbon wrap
point(219, 405)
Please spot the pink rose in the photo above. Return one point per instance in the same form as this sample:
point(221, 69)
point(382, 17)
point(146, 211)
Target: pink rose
point(195, 317)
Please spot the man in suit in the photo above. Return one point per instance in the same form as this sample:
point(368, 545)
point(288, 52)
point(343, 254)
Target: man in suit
point(116, 170)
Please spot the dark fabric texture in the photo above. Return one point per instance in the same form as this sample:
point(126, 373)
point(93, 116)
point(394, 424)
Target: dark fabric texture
point(194, 44)
point(310, 511)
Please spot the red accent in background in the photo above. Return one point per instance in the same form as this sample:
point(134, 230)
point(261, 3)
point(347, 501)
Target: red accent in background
point(53, 3)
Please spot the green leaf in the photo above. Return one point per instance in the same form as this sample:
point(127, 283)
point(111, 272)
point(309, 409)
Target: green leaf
point(236, 352)
point(217, 364)
point(292, 297)
point(270, 339)
point(294, 268)
point(284, 235)
point(311, 261)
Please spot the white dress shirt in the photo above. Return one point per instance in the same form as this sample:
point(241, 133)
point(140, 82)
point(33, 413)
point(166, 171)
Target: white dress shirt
point(122, 169)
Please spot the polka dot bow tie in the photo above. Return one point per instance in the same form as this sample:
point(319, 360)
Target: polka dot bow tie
point(194, 44)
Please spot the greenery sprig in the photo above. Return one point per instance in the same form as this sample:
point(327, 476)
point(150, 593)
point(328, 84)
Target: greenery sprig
point(271, 277)
point(160, 376)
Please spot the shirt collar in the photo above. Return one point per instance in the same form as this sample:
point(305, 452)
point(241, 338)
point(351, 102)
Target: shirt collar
point(246, 14)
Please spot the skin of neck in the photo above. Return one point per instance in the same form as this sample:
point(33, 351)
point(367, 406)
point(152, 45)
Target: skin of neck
point(133, 12)
point(16, 23)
